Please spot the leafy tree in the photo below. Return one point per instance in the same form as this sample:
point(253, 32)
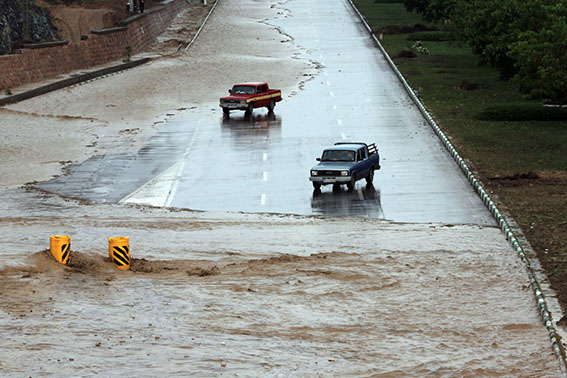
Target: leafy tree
point(523, 39)
point(491, 26)
point(432, 10)
point(541, 56)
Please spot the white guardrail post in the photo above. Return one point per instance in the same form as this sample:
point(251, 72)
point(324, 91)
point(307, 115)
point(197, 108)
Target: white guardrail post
point(502, 223)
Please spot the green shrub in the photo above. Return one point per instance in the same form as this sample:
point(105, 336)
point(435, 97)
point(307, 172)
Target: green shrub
point(523, 112)
point(420, 48)
point(128, 54)
point(437, 36)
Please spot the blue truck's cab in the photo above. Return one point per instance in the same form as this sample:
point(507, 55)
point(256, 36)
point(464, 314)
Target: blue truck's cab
point(345, 163)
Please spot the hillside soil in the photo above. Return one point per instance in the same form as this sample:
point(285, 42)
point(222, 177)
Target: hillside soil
point(75, 19)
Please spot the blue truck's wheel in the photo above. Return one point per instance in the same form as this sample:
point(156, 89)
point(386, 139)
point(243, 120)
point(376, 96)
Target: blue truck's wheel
point(350, 185)
point(316, 186)
point(370, 176)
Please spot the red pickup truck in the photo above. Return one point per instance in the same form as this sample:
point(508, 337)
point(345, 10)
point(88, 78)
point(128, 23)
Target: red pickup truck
point(247, 96)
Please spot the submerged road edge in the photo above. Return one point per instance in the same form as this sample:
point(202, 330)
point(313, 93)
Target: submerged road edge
point(491, 206)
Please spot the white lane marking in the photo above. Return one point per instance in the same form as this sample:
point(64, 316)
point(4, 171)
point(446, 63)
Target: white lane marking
point(265, 176)
point(325, 73)
point(160, 190)
point(263, 199)
point(264, 156)
point(328, 83)
point(343, 136)
point(339, 122)
point(332, 94)
point(360, 195)
point(334, 107)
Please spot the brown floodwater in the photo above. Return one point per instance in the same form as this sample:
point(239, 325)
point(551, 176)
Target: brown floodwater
point(213, 294)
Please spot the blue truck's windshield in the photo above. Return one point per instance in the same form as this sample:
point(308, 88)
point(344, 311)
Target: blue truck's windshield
point(243, 89)
point(338, 155)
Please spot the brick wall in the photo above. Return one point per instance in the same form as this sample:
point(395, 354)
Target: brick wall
point(139, 32)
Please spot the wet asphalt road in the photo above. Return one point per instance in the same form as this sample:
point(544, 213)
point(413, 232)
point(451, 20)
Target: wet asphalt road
point(202, 160)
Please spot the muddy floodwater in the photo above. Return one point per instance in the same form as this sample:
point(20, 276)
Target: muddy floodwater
point(213, 294)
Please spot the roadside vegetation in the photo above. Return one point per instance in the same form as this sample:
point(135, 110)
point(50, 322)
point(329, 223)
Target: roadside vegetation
point(486, 82)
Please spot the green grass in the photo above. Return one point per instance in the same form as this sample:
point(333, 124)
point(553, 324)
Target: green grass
point(495, 148)
point(386, 14)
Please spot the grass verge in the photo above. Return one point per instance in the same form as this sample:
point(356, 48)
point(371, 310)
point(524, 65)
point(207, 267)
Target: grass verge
point(523, 164)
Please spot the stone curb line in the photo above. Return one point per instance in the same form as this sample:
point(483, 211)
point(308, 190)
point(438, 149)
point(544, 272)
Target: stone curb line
point(70, 81)
point(503, 224)
point(202, 25)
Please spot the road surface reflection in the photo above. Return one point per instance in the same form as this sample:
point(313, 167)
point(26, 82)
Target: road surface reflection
point(251, 125)
point(362, 201)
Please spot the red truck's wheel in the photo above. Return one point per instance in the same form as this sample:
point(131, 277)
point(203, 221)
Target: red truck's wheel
point(226, 111)
point(250, 108)
point(271, 106)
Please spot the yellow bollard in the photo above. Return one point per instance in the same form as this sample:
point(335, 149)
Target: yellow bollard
point(119, 252)
point(60, 247)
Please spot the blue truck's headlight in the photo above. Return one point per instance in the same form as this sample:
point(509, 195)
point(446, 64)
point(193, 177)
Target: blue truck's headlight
point(314, 173)
point(344, 173)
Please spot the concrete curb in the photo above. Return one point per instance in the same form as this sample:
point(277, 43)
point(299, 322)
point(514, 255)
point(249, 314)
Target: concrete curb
point(500, 219)
point(202, 25)
point(70, 81)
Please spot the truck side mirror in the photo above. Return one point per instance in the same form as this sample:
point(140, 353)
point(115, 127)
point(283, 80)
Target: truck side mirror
point(318, 159)
point(230, 91)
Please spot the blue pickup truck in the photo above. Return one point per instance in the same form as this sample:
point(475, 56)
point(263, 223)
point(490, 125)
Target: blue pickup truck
point(345, 163)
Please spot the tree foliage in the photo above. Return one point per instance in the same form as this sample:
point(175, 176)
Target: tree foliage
point(491, 26)
point(432, 10)
point(541, 56)
point(523, 39)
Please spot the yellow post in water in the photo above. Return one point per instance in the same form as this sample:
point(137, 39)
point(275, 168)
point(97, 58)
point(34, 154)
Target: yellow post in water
point(60, 247)
point(119, 252)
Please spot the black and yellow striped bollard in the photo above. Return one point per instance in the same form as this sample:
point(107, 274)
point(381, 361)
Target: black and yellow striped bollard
point(119, 252)
point(60, 248)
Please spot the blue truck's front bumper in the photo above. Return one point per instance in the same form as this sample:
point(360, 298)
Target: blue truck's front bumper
point(330, 180)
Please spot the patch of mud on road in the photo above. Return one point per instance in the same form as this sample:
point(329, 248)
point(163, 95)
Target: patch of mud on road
point(261, 295)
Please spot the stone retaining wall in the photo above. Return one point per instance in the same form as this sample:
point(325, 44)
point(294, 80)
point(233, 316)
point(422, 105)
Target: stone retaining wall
point(40, 62)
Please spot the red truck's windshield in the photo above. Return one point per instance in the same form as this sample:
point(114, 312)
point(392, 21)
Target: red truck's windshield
point(337, 155)
point(243, 89)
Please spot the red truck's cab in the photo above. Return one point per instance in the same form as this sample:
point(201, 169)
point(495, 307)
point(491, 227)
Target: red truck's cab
point(247, 96)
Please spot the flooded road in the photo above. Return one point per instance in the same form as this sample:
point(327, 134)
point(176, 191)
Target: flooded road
point(407, 277)
point(212, 294)
point(260, 163)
